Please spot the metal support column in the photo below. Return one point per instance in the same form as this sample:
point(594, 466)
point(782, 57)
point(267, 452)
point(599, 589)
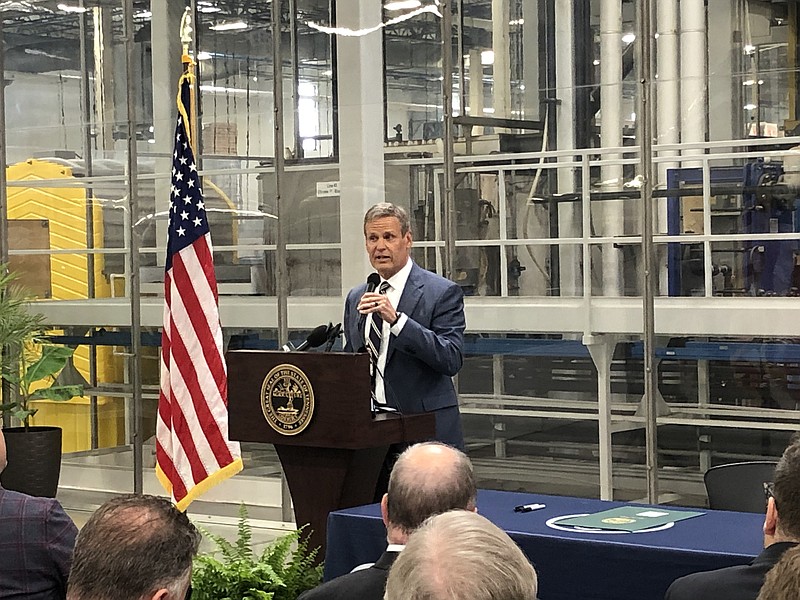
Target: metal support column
point(601, 348)
point(644, 55)
point(86, 115)
point(134, 362)
point(449, 209)
point(281, 283)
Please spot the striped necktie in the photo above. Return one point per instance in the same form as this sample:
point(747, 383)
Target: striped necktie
point(375, 334)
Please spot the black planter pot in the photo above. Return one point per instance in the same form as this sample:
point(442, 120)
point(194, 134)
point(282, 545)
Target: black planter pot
point(34, 460)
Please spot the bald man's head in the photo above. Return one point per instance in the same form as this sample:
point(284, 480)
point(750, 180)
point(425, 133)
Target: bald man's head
point(428, 479)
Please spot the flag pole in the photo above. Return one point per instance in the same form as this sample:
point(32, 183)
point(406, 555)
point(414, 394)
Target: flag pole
point(193, 449)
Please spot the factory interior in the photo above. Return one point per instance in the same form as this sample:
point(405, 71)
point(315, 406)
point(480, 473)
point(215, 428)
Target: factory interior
point(622, 216)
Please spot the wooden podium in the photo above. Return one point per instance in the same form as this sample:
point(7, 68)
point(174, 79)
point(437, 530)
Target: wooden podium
point(333, 462)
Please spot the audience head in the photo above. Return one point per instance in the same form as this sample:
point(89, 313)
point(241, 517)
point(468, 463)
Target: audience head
point(783, 509)
point(460, 555)
point(427, 479)
point(783, 580)
point(134, 548)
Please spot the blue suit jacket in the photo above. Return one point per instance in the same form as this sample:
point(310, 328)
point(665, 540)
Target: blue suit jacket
point(428, 352)
point(36, 541)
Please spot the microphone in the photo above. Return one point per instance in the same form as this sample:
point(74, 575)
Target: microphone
point(316, 338)
point(334, 332)
point(373, 281)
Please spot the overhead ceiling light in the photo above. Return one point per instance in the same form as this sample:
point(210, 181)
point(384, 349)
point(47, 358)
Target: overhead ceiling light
point(205, 6)
point(750, 107)
point(517, 22)
point(72, 9)
point(37, 52)
point(25, 7)
point(145, 14)
point(402, 4)
point(229, 26)
point(217, 89)
point(628, 38)
point(203, 55)
point(749, 49)
point(487, 57)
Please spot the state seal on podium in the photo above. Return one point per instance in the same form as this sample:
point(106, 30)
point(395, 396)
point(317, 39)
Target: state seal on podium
point(287, 399)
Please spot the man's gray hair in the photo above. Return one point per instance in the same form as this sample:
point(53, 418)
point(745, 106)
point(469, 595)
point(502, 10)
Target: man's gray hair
point(461, 555)
point(387, 209)
point(418, 491)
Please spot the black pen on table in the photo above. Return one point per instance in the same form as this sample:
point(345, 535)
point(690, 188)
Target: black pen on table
point(528, 507)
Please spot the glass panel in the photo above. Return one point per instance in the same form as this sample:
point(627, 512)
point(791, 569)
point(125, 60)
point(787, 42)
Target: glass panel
point(681, 270)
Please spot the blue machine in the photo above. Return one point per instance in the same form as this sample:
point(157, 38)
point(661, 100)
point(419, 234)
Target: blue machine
point(749, 268)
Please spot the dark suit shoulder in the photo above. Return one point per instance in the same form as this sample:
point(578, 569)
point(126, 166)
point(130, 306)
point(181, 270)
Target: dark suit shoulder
point(741, 582)
point(366, 584)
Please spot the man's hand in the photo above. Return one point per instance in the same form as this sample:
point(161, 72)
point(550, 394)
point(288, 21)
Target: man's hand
point(372, 302)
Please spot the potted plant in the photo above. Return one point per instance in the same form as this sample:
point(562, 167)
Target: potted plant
point(284, 569)
point(29, 367)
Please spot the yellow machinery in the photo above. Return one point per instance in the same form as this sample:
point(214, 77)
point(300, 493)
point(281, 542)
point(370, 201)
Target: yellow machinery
point(54, 218)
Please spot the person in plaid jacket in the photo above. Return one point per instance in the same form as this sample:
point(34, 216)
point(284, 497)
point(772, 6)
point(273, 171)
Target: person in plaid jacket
point(36, 542)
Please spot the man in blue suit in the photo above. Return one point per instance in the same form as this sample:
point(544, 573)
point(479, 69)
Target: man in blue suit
point(422, 319)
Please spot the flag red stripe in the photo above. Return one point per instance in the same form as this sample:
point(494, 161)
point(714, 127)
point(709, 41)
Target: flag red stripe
point(178, 488)
point(193, 311)
point(202, 412)
point(198, 315)
point(175, 421)
point(182, 434)
point(186, 364)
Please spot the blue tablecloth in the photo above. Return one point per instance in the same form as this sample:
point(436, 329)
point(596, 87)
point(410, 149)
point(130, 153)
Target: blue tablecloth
point(576, 565)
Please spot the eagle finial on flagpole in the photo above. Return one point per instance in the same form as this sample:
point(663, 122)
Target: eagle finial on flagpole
point(186, 35)
point(188, 74)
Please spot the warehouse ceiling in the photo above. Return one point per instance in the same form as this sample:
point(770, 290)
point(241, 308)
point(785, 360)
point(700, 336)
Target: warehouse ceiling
point(44, 35)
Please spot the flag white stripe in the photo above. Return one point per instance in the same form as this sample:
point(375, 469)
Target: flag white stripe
point(182, 395)
point(205, 296)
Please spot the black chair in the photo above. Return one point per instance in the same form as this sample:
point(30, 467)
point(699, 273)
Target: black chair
point(739, 486)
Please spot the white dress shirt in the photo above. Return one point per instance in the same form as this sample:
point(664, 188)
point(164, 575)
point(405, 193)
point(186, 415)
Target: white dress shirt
point(397, 284)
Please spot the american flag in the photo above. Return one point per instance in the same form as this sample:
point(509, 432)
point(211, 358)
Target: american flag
point(193, 452)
